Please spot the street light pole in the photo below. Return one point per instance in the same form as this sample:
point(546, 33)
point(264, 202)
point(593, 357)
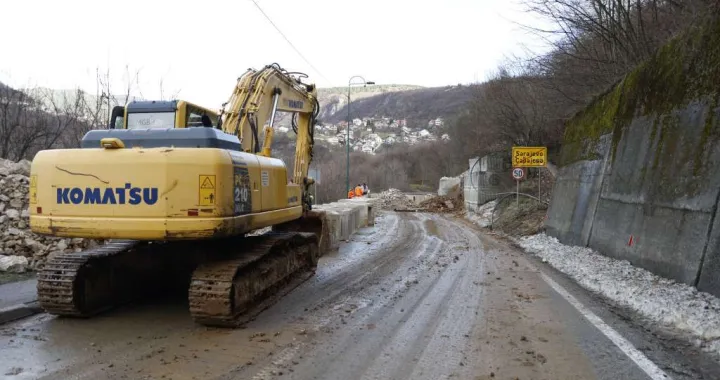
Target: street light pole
point(347, 136)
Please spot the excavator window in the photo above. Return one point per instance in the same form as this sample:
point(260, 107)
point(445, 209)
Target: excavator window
point(151, 120)
point(206, 122)
point(116, 118)
point(199, 117)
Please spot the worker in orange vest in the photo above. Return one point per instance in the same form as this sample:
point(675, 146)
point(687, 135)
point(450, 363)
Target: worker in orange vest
point(351, 193)
point(358, 190)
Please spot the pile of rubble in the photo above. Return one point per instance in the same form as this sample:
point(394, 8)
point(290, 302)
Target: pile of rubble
point(394, 199)
point(19, 247)
point(444, 204)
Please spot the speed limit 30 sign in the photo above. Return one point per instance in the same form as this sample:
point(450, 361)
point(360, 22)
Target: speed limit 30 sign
point(518, 173)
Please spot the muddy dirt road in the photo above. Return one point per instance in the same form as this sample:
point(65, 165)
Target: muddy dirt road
point(417, 296)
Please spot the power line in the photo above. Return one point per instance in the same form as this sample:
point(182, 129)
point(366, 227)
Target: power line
point(288, 41)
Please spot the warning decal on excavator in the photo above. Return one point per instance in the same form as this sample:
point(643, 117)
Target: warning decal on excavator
point(207, 182)
point(242, 191)
point(207, 190)
point(33, 189)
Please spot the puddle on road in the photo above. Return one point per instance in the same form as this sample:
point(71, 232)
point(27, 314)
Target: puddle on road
point(144, 340)
point(366, 231)
point(431, 227)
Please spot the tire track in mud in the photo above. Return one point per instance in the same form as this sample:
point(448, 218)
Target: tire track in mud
point(410, 325)
point(169, 343)
point(337, 276)
point(347, 284)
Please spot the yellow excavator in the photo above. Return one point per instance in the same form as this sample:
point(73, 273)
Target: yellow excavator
point(181, 204)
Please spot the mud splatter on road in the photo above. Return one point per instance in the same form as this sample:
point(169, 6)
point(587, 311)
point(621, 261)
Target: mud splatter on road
point(417, 296)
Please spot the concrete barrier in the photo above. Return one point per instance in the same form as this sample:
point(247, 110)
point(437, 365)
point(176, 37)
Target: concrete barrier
point(345, 217)
point(367, 210)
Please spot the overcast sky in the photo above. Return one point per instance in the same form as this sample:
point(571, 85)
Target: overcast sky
point(201, 47)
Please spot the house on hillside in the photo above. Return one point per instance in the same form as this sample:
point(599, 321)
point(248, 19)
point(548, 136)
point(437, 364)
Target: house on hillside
point(343, 135)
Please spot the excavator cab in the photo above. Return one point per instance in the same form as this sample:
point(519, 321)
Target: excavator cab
point(161, 114)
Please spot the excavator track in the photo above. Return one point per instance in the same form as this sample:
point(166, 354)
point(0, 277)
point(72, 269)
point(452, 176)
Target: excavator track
point(232, 291)
point(232, 279)
point(63, 288)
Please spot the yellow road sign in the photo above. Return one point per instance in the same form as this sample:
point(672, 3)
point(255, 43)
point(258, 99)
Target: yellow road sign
point(206, 190)
point(529, 156)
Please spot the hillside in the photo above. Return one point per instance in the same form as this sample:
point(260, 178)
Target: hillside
point(415, 103)
point(417, 106)
point(383, 114)
point(334, 99)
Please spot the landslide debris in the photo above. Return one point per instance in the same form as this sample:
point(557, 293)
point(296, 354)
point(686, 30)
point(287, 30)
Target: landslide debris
point(19, 247)
point(394, 199)
point(445, 204)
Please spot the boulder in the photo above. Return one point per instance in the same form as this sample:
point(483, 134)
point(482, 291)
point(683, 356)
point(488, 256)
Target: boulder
point(14, 264)
point(22, 167)
point(12, 214)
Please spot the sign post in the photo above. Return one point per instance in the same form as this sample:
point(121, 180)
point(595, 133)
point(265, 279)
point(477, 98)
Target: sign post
point(530, 157)
point(518, 174)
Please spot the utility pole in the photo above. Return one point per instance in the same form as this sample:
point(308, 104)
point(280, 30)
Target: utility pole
point(347, 137)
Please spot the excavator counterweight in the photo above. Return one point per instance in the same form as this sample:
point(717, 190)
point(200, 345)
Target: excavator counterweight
point(176, 188)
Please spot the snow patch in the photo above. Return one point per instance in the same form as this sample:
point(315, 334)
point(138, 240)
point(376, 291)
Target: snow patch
point(693, 314)
point(483, 216)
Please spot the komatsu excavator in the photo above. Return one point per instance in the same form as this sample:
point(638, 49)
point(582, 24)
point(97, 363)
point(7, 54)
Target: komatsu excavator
point(177, 203)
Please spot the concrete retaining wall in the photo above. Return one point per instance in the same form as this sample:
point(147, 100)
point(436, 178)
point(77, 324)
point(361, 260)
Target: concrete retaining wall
point(639, 179)
point(485, 179)
point(575, 197)
point(448, 185)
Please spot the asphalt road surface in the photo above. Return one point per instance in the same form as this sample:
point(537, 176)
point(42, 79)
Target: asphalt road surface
point(417, 296)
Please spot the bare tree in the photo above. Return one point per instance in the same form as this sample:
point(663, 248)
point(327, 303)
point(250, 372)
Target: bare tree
point(596, 42)
point(22, 122)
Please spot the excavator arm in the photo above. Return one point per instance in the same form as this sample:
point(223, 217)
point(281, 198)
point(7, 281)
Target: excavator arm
point(255, 101)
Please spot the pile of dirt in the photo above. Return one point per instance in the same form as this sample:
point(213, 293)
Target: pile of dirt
point(523, 218)
point(19, 247)
point(394, 199)
point(444, 204)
